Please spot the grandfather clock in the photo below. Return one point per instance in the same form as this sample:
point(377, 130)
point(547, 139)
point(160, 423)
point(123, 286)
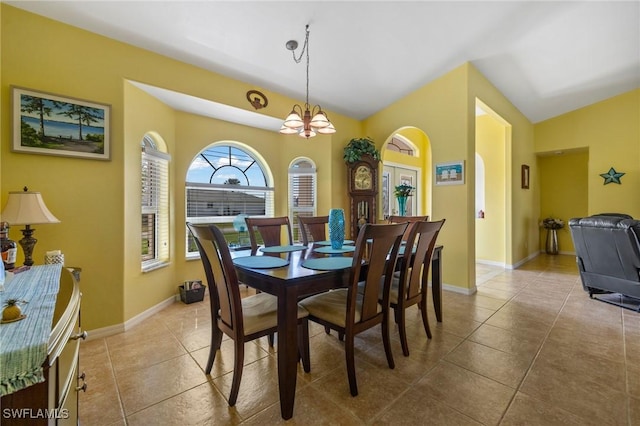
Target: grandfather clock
point(363, 192)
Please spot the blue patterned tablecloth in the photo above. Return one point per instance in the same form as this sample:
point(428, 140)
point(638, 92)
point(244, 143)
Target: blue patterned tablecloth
point(23, 344)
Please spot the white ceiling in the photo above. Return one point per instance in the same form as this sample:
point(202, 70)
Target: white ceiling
point(547, 58)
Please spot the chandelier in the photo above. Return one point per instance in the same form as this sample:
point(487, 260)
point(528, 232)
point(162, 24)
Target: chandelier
point(310, 121)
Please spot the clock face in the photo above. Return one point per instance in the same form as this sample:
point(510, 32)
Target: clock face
point(362, 178)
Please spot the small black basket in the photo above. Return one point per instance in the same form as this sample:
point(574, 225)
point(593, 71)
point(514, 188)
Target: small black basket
point(191, 291)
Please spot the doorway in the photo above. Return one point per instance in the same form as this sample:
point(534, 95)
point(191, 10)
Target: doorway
point(492, 211)
point(393, 175)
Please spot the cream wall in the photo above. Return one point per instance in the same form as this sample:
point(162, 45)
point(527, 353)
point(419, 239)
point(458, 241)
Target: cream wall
point(610, 130)
point(98, 201)
point(490, 230)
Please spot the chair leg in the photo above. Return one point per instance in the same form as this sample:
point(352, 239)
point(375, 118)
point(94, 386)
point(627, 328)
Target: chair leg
point(303, 344)
point(425, 319)
point(400, 320)
point(271, 339)
point(351, 366)
point(216, 340)
point(387, 342)
point(238, 364)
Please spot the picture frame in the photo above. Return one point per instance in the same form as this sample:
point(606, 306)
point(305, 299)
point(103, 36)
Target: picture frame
point(451, 173)
point(525, 176)
point(49, 124)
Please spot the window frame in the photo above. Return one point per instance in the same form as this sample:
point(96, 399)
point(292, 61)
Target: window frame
point(154, 202)
point(268, 192)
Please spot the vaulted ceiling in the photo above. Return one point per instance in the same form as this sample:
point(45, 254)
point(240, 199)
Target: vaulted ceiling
point(547, 58)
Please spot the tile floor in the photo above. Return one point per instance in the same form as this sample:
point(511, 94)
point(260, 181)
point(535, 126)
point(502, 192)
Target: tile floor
point(529, 347)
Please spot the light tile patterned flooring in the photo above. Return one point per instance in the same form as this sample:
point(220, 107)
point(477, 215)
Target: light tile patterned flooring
point(529, 347)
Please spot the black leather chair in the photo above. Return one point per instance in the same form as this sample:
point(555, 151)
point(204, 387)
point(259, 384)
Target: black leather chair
point(608, 253)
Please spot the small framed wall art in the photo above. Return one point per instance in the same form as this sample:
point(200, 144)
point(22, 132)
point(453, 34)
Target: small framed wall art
point(451, 173)
point(49, 124)
point(525, 176)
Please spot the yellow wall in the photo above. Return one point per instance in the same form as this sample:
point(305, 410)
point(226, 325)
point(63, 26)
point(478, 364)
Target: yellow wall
point(444, 110)
point(490, 230)
point(522, 204)
point(439, 110)
point(611, 131)
point(98, 201)
point(563, 183)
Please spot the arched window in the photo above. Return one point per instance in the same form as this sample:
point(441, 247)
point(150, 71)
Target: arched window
point(224, 181)
point(302, 192)
point(154, 202)
point(402, 145)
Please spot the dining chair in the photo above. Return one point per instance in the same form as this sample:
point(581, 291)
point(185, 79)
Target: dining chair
point(242, 319)
point(410, 286)
point(350, 311)
point(314, 227)
point(270, 230)
point(410, 219)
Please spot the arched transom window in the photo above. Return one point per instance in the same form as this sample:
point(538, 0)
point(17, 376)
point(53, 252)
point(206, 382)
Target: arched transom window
point(223, 182)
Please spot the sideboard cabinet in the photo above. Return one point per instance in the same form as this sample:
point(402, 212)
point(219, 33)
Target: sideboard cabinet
point(54, 401)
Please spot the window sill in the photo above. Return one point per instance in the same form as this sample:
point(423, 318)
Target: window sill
point(153, 266)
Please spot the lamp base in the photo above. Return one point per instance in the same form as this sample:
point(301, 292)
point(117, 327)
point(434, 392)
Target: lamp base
point(27, 243)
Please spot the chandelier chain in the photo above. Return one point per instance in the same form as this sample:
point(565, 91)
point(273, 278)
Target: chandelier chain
point(305, 49)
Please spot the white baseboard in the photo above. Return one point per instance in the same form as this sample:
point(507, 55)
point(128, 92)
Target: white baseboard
point(523, 261)
point(461, 290)
point(491, 263)
point(100, 333)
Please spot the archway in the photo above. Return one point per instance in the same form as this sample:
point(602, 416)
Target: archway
point(406, 158)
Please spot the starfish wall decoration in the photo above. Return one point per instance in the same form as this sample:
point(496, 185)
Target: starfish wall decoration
point(612, 176)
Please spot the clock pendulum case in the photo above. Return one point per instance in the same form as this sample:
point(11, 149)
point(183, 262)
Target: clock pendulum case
point(362, 178)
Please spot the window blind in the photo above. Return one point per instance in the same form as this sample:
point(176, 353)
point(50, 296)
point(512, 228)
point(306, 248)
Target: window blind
point(155, 208)
point(302, 196)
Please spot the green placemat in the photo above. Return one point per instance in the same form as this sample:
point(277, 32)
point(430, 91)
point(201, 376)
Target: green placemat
point(328, 243)
point(282, 249)
point(343, 249)
point(260, 262)
point(328, 263)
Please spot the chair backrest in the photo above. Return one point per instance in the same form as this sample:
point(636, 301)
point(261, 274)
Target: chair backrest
point(416, 258)
point(314, 227)
point(607, 245)
point(410, 219)
point(221, 276)
point(270, 229)
point(378, 244)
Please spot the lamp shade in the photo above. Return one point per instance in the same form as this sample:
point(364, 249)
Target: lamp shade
point(26, 208)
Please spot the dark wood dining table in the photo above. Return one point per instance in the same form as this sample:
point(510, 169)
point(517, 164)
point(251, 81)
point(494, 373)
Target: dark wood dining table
point(292, 282)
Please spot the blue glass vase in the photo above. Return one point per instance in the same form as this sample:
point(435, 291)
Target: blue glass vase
point(402, 205)
point(336, 228)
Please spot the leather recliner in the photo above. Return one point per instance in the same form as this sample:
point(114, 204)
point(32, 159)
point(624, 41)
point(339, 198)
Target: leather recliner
point(608, 253)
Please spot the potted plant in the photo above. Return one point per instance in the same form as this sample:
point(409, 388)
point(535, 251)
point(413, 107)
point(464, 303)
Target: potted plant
point(357, 147)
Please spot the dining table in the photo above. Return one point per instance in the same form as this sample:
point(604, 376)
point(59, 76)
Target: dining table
point(296, 278)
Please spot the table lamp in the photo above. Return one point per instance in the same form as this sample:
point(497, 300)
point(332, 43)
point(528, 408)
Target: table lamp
point(27, 208)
